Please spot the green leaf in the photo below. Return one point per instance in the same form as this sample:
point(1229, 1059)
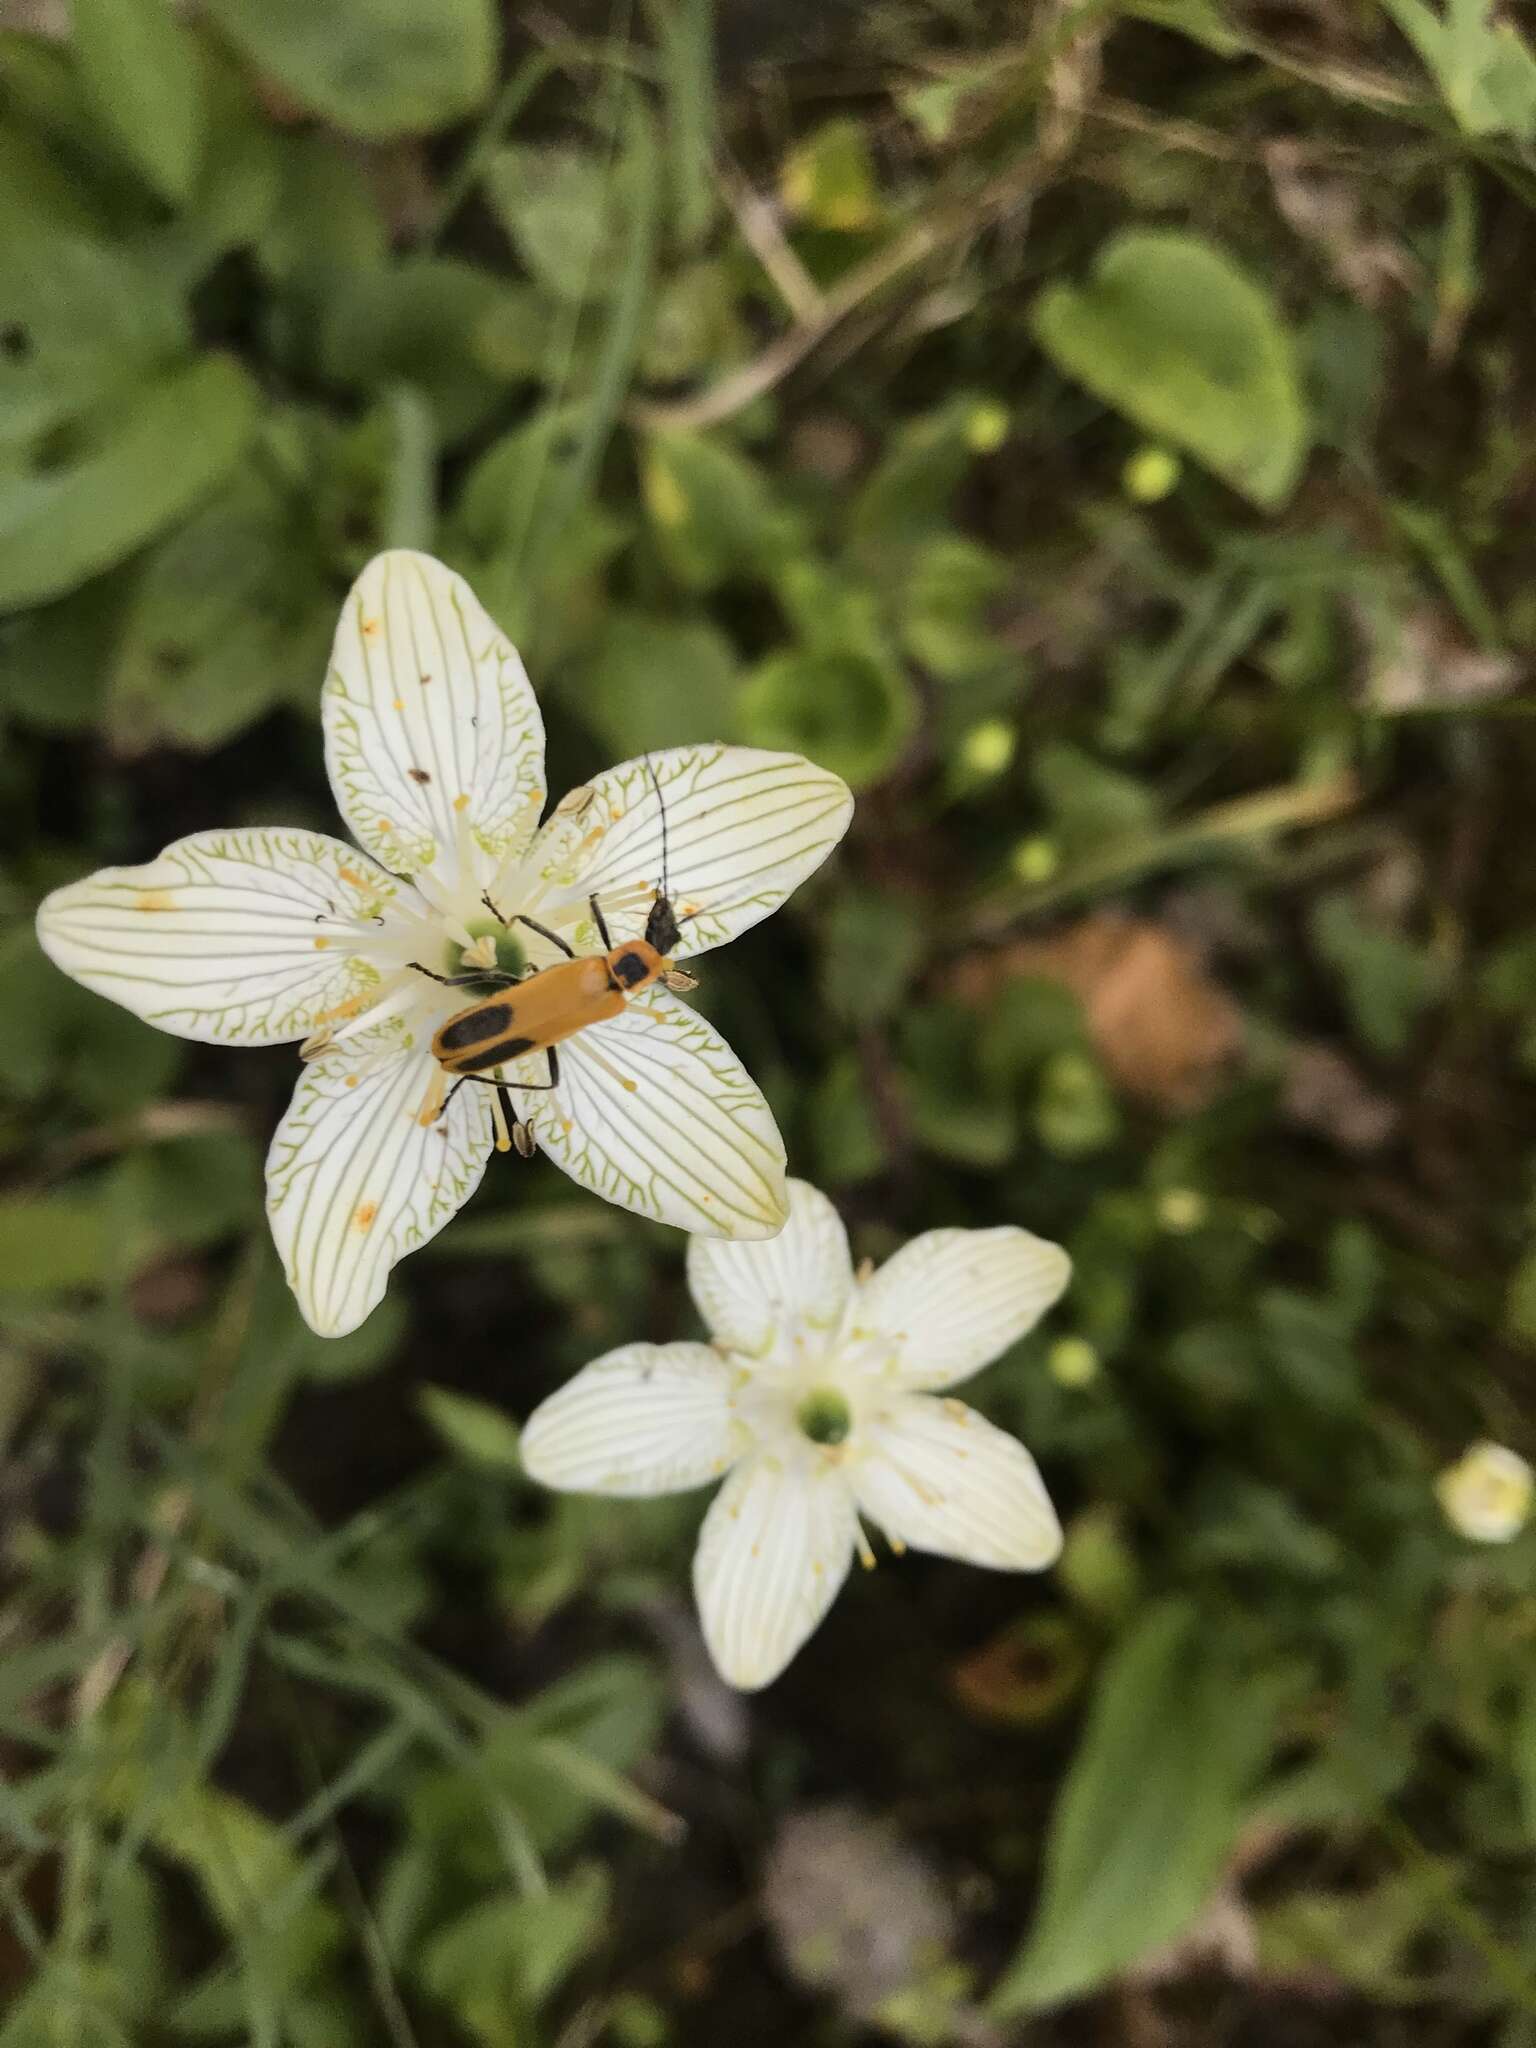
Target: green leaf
point(140, 70)
point(847, 710)
point(232, 615)
point(84, 322)
point(1388, 981)
point(50, 1244)
point(713, 512)
point(1151, 1807)
point(473, 1429)
point(415, 322)
point(1484, 67)
point(656, 682)
point(874, 943)
point(495, 1965)
point(945, 595)
point(565, 210)
point(373, 68)
point(829, 179)
point(907, 495)
point(1169, 331)
point(139, 471)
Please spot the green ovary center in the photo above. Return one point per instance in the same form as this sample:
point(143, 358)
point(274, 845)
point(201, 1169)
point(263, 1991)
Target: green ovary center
point(511, 957)
point(824, 1416)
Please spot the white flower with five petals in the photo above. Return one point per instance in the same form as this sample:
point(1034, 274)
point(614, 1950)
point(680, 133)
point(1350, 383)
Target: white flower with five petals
point(435, 750)
point(823, 1398)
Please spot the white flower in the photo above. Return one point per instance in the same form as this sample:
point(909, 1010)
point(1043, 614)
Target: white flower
point(819, 1395)
point(435, 750)
point(1486, 1495)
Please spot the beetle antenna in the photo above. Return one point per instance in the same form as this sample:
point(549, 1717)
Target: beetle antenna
point(666, 872)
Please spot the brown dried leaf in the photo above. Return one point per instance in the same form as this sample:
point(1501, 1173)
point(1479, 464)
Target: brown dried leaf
point(1166, 1031)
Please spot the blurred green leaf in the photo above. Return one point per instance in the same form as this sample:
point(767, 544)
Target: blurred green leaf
point(414, 322)
point(85, 323)
point(50, 1244)
point(845, 709)
point(141, 71)
point(907, 496)
point(232, 615)
point(1150, 1809)
point(713, 511)
point(1172, 333)
point(1388, 981)
point(374, 68)
point(565, 210)
point(1482, 65)
point(829, 179)
point(495, 1965)
point(655, 682)
point(472, 1429)
point(134, 475)
point(872, 946)
point(950, 586)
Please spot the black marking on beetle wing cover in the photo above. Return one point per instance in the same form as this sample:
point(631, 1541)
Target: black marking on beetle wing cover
point(475, 1027)
point(630, 968)
point(493, 1055)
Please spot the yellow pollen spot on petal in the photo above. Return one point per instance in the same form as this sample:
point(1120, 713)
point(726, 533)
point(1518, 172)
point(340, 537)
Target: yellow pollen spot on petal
point(154, 899)
point(565, 1124)
point(957, 1411)
point(353, 1079)
point(321, 944)
point(399, 703)
point(818, 1567)
point(615, 813)
point(385, 824)
point(351, 875)
point(370, 627)
point(364, 1214)
point(461, 802)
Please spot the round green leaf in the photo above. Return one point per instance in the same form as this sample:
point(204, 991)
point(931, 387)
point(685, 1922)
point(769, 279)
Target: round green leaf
point(845, 710)
point(1169, 331)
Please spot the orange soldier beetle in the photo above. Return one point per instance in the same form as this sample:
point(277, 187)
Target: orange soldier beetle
point(554, 1003)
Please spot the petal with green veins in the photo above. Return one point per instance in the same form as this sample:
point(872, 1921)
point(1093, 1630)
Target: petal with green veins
point(242, 937)
point(645, 1419)
point(746, 1292)
point(742, 829)
point(937, 1476)
point(431, 727)
point(656, 1113)
point(953, 1300)
point(355, 1180)
point(773, 1552)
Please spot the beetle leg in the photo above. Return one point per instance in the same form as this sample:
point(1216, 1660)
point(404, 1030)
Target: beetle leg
point(491, 975)
point(602, 923)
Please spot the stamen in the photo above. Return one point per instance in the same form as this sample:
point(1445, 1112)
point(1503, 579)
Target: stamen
point(432, 1102)
point(866, 1554)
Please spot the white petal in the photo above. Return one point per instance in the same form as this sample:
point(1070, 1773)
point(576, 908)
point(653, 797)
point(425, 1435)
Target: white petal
point(748, 1292)
point(647, 1418)
point(243, 936)
point(354, 1181)
point(655, 1112)
point(430, 723)
point(953, 1300)
point(938, 1476)
point(773, 1551)
point(743, 827)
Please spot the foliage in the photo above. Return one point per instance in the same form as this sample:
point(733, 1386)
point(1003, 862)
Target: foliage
point(1102, 434)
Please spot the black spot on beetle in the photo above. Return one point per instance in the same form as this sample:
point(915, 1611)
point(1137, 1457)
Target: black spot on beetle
point(475, 1027)
point(630, 968)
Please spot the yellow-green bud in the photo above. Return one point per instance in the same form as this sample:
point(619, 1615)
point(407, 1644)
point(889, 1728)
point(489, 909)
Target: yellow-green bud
point(1151, 474)
point(1073, 1362)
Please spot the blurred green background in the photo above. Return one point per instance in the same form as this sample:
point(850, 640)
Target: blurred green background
point(1103, 433)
